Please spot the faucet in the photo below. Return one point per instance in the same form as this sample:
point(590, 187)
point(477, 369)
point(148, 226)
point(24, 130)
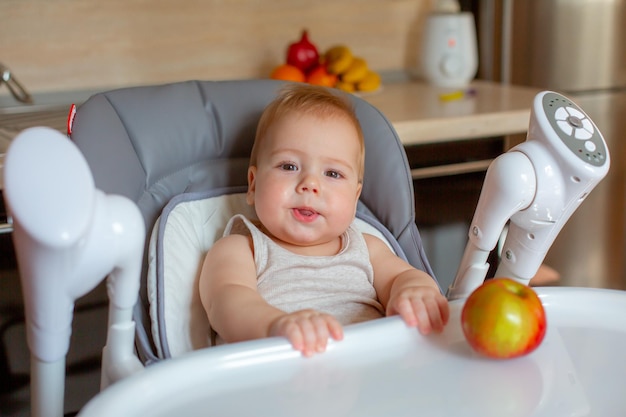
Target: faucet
point(17, 90)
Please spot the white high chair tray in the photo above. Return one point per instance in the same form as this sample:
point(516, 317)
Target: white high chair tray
point(382, 368)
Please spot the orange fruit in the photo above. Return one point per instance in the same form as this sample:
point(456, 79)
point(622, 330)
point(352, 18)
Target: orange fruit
point(288, 72)
point(320, 76)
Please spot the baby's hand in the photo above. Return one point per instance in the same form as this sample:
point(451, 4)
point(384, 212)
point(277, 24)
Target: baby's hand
point(421, 306)
point(307, 330)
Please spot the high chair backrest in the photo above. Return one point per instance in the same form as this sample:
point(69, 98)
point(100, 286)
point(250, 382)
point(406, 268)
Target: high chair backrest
point(153, 143)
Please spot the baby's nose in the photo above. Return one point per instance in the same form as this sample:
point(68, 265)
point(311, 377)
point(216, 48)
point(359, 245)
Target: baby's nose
point(309, 183)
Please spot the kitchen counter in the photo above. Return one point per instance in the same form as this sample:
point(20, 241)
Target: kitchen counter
point(420, 115)
point(416, 110)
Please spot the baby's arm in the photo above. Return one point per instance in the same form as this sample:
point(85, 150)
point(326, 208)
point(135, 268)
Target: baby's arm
point(405, 290)
point(236, 311)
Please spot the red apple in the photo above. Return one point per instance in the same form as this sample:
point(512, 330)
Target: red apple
point(503, 319)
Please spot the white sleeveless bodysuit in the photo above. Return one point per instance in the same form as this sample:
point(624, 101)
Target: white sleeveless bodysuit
point(340, 285)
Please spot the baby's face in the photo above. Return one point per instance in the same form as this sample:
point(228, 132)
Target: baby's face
point(305, 186)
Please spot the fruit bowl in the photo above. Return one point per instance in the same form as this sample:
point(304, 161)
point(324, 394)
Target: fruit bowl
point(337, 67)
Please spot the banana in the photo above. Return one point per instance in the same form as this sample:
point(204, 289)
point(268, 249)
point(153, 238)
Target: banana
point(356, 71)
point(354, 74)
point(370, 82)
point(335, 52)
point(338, 59)
point(347, 87)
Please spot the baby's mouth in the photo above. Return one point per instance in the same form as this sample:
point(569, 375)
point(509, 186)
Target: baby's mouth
point(305, 213)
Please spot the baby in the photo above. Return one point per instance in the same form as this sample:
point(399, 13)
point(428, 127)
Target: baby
point(303, 270)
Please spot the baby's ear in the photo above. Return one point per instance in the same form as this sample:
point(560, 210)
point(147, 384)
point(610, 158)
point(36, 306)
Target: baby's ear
point(251, 185)
point(358, 190)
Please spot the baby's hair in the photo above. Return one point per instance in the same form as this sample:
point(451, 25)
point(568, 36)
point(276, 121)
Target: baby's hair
point(314, 100)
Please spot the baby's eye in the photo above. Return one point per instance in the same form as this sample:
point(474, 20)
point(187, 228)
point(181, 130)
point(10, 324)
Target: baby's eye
point(334, 174)
point(288, 166)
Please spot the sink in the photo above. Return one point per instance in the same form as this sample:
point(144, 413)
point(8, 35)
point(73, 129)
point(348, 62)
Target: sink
point(54, 117)
point(12, 124)
point(47, 109)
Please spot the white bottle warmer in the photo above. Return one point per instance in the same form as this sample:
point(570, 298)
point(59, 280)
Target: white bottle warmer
point(449, 53)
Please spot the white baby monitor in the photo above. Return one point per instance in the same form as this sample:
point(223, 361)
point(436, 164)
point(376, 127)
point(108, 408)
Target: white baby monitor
point(536, 186)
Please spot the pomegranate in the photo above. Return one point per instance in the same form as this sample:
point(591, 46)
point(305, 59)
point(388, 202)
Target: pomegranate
point(303, 54)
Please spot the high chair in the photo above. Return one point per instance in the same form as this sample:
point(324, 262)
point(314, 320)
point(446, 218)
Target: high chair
point(143, 189)
point(192, 140)
point(164, 144)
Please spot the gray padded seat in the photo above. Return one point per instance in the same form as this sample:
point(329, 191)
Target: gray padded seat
point(152, 143)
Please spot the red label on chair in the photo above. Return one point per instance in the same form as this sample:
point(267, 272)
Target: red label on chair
point(70, 119)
